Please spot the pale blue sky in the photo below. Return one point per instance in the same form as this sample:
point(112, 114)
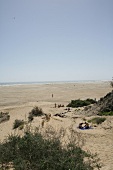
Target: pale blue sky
point(56, 40)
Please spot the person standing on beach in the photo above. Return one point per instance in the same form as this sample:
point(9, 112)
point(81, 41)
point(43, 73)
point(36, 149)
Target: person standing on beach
point(52, 95)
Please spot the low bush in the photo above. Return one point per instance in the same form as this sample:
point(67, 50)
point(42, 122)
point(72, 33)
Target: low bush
point(97, 120)
point(18, 123)
point(81, 103)
point(4, 116)
point(34, 152)
point(109, 108)
point(105, 114)
point(36, 111)
point(30, 118)
point(91, 101)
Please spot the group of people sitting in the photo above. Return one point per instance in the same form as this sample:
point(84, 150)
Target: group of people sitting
point(84, 125)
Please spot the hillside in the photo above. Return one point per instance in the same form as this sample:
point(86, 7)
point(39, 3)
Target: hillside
point(105, 104)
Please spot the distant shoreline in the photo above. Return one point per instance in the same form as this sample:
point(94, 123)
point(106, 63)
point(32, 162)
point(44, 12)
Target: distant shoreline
point(51, 82)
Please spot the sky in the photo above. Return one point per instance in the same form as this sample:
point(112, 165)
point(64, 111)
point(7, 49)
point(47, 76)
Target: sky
point(56, 40)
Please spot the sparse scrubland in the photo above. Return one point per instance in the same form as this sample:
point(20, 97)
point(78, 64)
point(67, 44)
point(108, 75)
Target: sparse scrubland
point(97, 120)
point(106, 113)
point(42, 148)
point(35, 151)
point(103, 107)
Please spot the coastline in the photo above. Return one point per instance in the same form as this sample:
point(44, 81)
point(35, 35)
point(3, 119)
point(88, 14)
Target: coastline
point(50, 82)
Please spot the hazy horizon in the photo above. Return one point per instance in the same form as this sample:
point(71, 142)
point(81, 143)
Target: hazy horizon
point(49, 81)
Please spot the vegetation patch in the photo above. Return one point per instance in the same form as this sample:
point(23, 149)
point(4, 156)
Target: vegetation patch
point(18, 123)
point(36, 111)
point(106, 113)
point(30, 118)
point(97, 120)
point(32, 152)
point(4, 116)
point(81, 103)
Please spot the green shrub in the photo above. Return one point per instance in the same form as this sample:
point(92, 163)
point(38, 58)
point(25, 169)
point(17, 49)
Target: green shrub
point(97, 120)
point(91, 101)
point(4, 116)
point(18, 123)
point(36, 111)
point(33, 152)
point(1, 115)
point(105, 114)
point(21, 127)
point(81, 103)
point(30, 118)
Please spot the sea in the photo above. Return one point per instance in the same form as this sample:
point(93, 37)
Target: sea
point(50, 82)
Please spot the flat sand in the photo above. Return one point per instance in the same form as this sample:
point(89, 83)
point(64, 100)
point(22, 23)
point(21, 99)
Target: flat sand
point(18, 100)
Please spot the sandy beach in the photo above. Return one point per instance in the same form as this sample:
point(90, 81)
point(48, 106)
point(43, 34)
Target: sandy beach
point(19, 100)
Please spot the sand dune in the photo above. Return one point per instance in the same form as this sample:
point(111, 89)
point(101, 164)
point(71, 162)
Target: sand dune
point(19, 100)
